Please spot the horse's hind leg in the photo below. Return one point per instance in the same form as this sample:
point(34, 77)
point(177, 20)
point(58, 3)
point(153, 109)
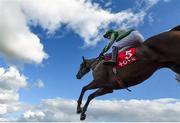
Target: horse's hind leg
point(92, 85)
point(99, 92)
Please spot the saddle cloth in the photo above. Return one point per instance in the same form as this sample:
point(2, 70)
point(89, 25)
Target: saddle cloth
point(124, 58)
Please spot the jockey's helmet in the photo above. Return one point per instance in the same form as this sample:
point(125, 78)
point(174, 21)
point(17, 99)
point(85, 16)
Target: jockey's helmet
point(109, 33)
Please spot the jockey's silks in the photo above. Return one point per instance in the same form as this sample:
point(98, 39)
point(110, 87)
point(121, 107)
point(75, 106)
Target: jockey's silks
point(116, 37)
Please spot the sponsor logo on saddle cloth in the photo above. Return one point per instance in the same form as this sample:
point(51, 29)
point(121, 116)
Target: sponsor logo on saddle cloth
point(126, 57)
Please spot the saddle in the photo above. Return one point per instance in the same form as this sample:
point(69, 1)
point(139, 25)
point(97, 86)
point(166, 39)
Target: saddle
point(124, 58)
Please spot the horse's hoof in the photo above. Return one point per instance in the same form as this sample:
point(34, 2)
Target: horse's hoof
point(83, 117)
point(79, 110)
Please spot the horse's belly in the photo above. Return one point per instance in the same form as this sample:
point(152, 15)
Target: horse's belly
point(137, 73)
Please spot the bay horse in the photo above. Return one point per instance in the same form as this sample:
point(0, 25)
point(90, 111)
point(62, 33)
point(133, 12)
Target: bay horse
point(159, 51)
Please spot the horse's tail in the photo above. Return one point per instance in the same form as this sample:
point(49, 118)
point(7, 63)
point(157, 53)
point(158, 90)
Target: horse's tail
point(177, 28)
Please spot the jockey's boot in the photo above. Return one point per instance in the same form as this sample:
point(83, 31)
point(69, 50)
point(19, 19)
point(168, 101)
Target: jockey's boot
point(114, 57)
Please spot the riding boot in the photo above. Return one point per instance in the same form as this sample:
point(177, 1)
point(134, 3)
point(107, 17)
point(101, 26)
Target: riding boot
point(114, 57)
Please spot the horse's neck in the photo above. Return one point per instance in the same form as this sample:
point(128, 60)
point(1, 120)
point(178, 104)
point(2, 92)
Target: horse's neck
point(93, 62)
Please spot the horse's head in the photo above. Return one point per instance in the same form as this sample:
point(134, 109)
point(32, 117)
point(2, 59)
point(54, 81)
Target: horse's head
point(84, 68)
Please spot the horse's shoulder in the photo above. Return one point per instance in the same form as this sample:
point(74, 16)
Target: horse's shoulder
point(101, 66)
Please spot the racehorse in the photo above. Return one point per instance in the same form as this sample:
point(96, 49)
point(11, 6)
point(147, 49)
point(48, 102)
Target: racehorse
point(159, 51)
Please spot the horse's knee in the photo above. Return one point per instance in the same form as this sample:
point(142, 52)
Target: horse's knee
point(84, 89)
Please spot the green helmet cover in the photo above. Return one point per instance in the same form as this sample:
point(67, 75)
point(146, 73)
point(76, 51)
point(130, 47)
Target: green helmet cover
point(108, 33)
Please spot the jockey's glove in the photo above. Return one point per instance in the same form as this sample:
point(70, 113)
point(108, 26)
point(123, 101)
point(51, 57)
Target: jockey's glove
point(101, 56)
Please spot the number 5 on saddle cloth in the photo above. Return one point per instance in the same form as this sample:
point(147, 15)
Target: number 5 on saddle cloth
point(124, 58)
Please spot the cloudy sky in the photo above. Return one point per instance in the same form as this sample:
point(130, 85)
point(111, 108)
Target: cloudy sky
point(41, 45)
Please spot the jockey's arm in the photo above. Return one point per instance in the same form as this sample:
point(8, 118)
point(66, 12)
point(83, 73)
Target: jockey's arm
point(107, 47)
point(111, 41)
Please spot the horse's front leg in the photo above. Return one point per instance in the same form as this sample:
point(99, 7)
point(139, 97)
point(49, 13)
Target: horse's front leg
point(99, 92)
point(92, 85)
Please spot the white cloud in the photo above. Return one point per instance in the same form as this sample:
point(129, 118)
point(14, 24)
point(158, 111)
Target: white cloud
point(86, 18)
point(11, 79)
point(39, 84)
point(147, 4)
point(150, 18)
point(167, 0)
point(106, 110)
point(34, 115)
point(108, 3)
point(83, 17)
point(8, 96)
point(17, 42)
point(3, 109)
point(4, 120)
point(152, 2)
point(10, 82)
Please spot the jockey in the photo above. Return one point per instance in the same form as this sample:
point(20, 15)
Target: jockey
point(120, 40)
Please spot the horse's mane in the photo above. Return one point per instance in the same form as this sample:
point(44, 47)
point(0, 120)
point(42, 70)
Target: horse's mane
point(177, 28)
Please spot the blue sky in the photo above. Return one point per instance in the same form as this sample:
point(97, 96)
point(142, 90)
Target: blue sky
point(62, 38)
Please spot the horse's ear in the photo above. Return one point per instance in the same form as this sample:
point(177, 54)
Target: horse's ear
point(83, 59)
